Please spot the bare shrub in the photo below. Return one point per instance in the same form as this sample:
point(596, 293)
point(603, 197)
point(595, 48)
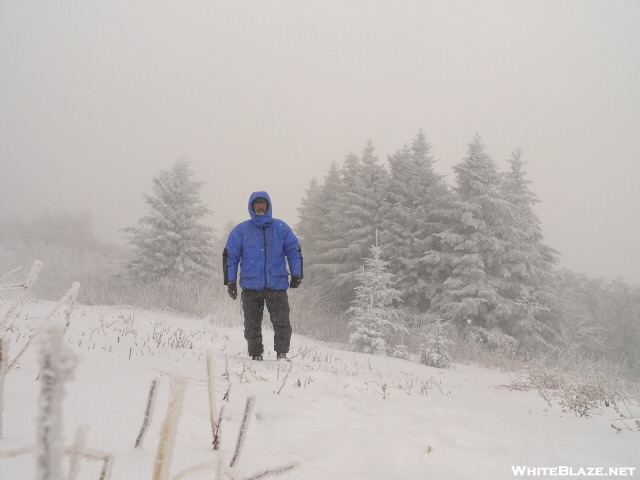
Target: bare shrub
point(581, 385)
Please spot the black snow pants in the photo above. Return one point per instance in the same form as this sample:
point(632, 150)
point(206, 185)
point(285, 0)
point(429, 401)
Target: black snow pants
point(277, 302)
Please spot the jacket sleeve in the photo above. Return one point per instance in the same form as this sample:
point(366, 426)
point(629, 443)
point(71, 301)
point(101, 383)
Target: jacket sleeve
point(231, 256)
point(293, 252)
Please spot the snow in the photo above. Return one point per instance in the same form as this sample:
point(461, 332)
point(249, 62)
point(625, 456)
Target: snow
point(338, 414)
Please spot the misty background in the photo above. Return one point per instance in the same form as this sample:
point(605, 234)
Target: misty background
point(97, 97)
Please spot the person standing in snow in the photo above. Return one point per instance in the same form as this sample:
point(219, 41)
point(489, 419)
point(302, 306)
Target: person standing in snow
point(260, 248)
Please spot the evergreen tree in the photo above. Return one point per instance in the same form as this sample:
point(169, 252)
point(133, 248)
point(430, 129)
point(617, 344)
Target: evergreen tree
point(310, 213)
point(434, 348)
point(472, 293)
point(528, 264)
point(169, 241)
point(414, 214)
point(345, 221)
point(319, 221)
point(374, 317)
point(502, 278)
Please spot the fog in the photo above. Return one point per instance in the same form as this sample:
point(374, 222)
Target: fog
point(97, 96)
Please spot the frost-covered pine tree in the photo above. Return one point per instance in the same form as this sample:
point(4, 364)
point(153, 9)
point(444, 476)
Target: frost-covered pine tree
point(348, 214)
point(501, 278)
point(169, 241)
point(414, 213)
point(531, 280)
point(434, 348)
point(374, 316)
point(317, 230)
point(312, 212)
point(471, 295)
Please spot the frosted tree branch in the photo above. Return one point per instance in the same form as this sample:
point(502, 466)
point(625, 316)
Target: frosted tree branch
point(57, 363)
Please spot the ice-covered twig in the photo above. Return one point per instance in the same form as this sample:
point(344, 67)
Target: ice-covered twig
point(226, 368)
point(283, 382)
point(148, 413)
point(18, 451)
point(85, 453)
point(273, 471)
point(69, 298)
point(57, 363)
point(105, 473)
point(107, 459)
point(169, 429)
point(196, 468)
point(213, 408)
point(79, 444)
point(11, 272)
point(12, 286)
point(31, 278)
point(223, 470)
point(243, 429)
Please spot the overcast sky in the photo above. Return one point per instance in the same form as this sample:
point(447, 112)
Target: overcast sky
point(96, 96)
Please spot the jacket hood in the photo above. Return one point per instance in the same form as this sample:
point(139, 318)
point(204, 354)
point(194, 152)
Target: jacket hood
point(260, 220)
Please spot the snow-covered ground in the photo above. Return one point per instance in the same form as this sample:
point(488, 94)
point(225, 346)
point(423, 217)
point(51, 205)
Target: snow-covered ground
point(338, 414)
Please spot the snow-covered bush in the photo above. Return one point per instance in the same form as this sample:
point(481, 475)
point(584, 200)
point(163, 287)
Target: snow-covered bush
point(434, 347)
point(374, 317)
point(580, 385)
point(401, 351)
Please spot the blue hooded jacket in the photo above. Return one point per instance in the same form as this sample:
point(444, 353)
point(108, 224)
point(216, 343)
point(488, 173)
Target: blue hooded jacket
point(258, 248)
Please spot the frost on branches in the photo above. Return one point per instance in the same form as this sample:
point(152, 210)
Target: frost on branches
point(57, 363)
point(169, 241)
point(434, 347)
point(501, 272)
point(374, 317)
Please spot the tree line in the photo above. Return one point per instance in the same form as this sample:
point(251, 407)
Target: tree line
point(385, 243)
point(470, 256)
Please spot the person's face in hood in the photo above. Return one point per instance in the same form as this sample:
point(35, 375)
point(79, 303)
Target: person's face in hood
point(260, 206)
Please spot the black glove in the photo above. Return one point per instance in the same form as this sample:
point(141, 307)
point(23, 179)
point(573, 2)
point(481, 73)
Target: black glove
point(295, 281)
point(232, 288)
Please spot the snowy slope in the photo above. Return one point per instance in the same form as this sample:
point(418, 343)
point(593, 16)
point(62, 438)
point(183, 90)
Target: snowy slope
point(340, 415)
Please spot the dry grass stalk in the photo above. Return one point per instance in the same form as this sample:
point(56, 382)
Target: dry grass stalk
point(273, 471)
point(213, 408)
point(169, 429)
point(243, 429)
point(148, 413)
point(196, 468)
point(79, 445)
